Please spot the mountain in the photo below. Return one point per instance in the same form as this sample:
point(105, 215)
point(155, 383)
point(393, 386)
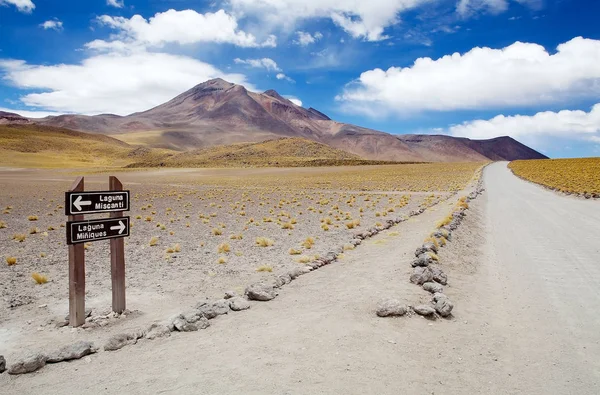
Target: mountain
point(217, 112)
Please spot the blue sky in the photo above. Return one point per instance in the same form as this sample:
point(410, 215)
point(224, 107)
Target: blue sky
point(474, 68)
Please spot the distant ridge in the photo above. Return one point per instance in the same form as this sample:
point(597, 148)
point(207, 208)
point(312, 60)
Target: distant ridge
point(217, 112)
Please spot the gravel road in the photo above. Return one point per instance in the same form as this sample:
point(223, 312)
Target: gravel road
point(545, 250)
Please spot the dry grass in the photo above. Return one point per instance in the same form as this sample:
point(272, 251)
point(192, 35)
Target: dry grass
point(565, 175)
point(217, 232)
point(294, 251)
point(32, 218)
point(20, 237)
point(264, 242)
point(308, 243)
point(2, 225)
point(34, 231)
point(264, 268)
point(11, 260)
point(39, 278)
point(222, 260)
point(304, 259)
point(223, 248)
point(153, 241)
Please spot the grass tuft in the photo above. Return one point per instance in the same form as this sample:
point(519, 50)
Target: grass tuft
point(264, 268)
point(11, 260)
point(223, 248)
point(153, 241)
point(39, 278)
point(264, 242)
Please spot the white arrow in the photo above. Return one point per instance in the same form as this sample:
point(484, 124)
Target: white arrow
point(78, 203)
point(121, 227)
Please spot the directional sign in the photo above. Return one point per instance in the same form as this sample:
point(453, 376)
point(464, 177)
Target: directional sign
point(97, 229)
point(96, 202)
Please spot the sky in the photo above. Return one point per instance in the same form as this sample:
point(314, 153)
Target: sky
point(529, 69)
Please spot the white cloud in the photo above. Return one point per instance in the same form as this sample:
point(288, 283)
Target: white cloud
point(115, 3)
point(520, 75)
point(25, 6)
point(361, 19)
point(266, 63)
point(305, 38)
point(53, 24)
point(565, 124)
point(182, 27)
point(110, 83)
point(294, 100)
point(31, 114)
point(467, 8)
point(281, 76)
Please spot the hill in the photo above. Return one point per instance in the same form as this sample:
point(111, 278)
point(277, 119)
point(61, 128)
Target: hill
point(217, 112)
point(284, 152)
point(31, 145)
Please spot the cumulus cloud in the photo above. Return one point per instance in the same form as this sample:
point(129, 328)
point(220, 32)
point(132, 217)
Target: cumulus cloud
point(31, 114)
point(25, 6)
point(294, 100)
point(305, 38)
point(281, 76)
point(361, 19)
point(116, 83)
point(520, 75)
point(266, 63)
point(567, 124)
point(180, 27)
point(116, 3)
point(53, 24)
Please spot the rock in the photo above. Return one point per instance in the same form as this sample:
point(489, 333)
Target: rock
point(202, 323)
point(187, 327)
point(212, 309)
point(424, 310)
point(192, 316)
point(421, 275)
point(2, 364)
point(444, 307)
point(422, 260)
point(119, 341)
point(439, 276)
point(157, 330)
point(356, 242)
point(230, 294)
point(239, 304)
point(282, 280)
point(390, 307)
point(178, 323)
point(438, 295)
point(74, 351)
point(62, 324)
point(298, 271)
point(433, 287)
point(28, 365)
point(261, 292)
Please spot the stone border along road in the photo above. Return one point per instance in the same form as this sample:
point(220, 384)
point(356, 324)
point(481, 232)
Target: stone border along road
point(425, 274)
point(198, 317)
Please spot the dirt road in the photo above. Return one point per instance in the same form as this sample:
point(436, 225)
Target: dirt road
point(524, 275)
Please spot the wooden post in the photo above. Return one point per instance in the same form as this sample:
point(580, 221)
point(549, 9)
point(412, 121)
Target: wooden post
point(77, 271)
point(117, 258)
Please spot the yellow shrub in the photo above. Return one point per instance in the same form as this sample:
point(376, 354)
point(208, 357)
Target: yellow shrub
point(39, 278)
point(11, 260)
point(264, 242)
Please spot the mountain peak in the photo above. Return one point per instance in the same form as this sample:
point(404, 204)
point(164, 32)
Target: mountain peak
point(214, 84)
point(274, 94)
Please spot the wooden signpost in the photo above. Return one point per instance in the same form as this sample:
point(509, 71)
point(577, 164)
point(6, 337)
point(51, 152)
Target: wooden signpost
point(79, 231)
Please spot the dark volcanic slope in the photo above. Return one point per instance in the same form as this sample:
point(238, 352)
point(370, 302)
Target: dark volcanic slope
point(217, 112)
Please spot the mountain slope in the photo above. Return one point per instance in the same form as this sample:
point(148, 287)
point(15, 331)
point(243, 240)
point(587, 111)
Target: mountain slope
point(288, 152)
point(217, 112)
point(30, 145)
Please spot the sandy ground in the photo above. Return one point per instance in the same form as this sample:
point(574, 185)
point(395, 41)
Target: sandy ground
point(161, 284)
point(523, 274)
